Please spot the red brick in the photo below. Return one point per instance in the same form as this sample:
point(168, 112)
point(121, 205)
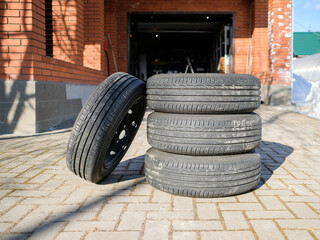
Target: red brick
point(10, 42)
point(10, 28)
point(9, 13)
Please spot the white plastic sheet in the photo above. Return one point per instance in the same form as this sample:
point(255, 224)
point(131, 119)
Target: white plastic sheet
point(306, 85)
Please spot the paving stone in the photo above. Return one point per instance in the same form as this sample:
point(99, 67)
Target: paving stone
point(299, 174)
point(48, 231)
point(266, 229)
point(20, 168)
point(182, 204)
point(239, 235)
point(76, 197)
point(8, 202)
point(4, 227)
point(15, 213)
point(301, 190)
point(299, 223)
point(247, 197)
point(170, 215)
point(157, 230)
point(15, 236)
point(315, 205)
point(272, 192)
point(142, 189)
point(308, 199)
point(302, 210)
point(197, 225)
point(19, 186)
point(184, 235)
point(240, 206)
point(269, 214)
point(148, 206)
point(42, 201)
point(111, 211)
point(74, 216)
point(298, 235)
point(234, 220)
point(299, 181)
point(159, 196)
point(207, 211)
point(69, 235)
point(113, 235)
point(216, 200)
point(84, 226)
point(272, 203)
point(26, 193)
point(129, 199)
point(56, 208)
point(30, 223)
point(51, 184)
point(131, 221)
point(92, 204)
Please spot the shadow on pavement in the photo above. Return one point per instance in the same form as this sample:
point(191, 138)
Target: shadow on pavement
point(60, 218)
point(273, 155)
point(126, 170)
point(131, 169)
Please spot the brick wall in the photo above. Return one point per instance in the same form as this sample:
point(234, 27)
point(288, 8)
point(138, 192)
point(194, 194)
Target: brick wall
point(259, 61)
point(280, 39)
point(94, 34)
point(22, 41)
point(16, 43)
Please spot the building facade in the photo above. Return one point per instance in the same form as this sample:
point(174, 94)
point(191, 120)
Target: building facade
point(54, 53)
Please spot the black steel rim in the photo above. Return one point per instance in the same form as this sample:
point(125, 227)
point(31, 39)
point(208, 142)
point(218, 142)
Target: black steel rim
point(124, 134)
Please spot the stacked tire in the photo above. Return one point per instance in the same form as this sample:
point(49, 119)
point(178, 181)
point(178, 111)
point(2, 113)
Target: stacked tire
point(203, 134)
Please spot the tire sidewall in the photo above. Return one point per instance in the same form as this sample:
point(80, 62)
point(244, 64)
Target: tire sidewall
point(98, 170)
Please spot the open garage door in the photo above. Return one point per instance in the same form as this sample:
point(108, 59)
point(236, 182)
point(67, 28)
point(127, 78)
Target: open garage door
point(175, 43)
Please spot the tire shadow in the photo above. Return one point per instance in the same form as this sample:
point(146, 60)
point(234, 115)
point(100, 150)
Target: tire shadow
point(129, 169)
point(273, 155)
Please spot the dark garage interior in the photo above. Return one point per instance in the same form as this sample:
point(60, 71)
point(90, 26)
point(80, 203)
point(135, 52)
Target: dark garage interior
point(175, 43)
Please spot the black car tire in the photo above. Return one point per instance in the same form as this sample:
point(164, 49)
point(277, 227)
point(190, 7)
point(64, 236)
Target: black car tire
point(106, 126)
point(202, 134)
point(203, 176)
point(203, 93)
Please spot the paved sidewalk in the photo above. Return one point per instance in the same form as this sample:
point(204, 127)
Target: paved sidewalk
point(41, 199)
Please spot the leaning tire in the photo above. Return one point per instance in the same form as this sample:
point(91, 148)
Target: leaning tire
point(203, 93)
point(205, 176)
point(201, 135)
point(106, 127)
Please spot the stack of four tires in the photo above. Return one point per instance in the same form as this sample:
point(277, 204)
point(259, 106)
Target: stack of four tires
point(203, 134)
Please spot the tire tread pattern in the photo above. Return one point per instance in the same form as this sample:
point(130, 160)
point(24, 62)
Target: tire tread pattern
point(201, 135)
point(176, 101)
point(179, 174)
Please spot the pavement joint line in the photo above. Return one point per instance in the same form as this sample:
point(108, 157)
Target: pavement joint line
point(39, 173)
point(279, 228)
point(224, 226)
point(312, 234)
point(255, 235)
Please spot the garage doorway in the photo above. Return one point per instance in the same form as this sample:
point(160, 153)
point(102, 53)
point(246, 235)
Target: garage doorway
point(178, 43)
